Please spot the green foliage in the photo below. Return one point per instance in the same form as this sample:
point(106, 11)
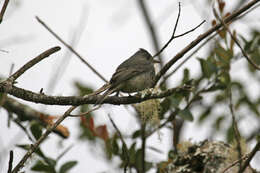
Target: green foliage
point(67, 166)
point(186, 114)
point(49, 165)
point(209, 92)
point(36, 129)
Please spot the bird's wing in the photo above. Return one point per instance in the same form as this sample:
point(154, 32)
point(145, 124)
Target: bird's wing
point(124, 74)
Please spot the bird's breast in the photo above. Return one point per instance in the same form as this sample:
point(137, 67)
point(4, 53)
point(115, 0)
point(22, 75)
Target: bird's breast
point(138, 83)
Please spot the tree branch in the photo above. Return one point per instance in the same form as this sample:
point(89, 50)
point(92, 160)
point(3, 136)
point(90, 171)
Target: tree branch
point(34, 147)
point(25, 112)
point(34, 61)
point(3, 10)
point(250, 157)
point(194, 43)
point(79, 100)
point(10, 164)
point(150, 27)
point(122, 140)
point(173, 33)
point(235, 40)
point(70, 48)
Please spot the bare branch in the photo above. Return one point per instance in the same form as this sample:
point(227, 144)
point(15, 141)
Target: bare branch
point(193, 29)
point(234, 163)
point(86, 113)
point(250, 157)
point(151, 28)
point(34, 147)
point(74, 39)
point(79, 100)
point(71, 49)
point(25, 112)
point(51, 100)
point(3, 10)
point(10, 164)
point(187, 58)
point(174, 30)
point(34, 61)
point(194, 43)
point(231, 107)
point(235, 40)
point(173, 34)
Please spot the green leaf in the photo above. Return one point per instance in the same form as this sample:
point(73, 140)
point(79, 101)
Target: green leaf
point(148, 166)
point(136, 134)
point(27, 147)
point(186, 114)
point(36, 129)
point(115, 147)
point(204, 115)
point(67, 166)
point(43, 167)
point(208, 68)
point(219, 121)
point(230, 134)
point(165, 105)
point(124, 152)
point(176, 99)
point(186, 75)
point(138, 159)
point(224, 79)
point(132, 153)
point(83, 89)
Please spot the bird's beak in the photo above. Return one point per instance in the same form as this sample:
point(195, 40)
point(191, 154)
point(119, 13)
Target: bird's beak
point(156, 61)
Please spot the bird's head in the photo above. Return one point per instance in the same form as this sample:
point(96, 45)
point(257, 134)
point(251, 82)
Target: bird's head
point(145, 54)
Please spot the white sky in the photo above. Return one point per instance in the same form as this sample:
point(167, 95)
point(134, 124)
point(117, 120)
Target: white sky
point(114, 30)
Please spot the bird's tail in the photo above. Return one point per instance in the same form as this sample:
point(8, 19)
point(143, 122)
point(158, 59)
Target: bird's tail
point(100, 90)
point(104, 96)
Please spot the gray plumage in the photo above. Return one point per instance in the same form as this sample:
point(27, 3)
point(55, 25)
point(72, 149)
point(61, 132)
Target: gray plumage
point(134, 74)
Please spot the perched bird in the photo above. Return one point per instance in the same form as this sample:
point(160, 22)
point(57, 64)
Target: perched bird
point(134, 74)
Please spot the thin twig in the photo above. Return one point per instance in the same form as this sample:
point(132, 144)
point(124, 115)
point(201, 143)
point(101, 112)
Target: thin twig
point(173, 33)
point(71, 49)
point(87, 112)
point(151, 28)
point(35, 146)
point(231, 107)
point(10, 164)
point(235, 40)
point(34, 61)
point(74, 39)
point(250, 157)
point(26, 112)
point(253, 134)
point(40, 98)
point(2, 100)
point(122, 140)
point(18, 122)
point(235, 128)
point(5, 51)
point(3, 10)
point(180, 35)
point(229, 18)
point(187, 58)
point(236, 162)
point(193, 29)
point(63, 153)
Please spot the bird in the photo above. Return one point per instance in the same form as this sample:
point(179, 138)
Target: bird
point(134, 74)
